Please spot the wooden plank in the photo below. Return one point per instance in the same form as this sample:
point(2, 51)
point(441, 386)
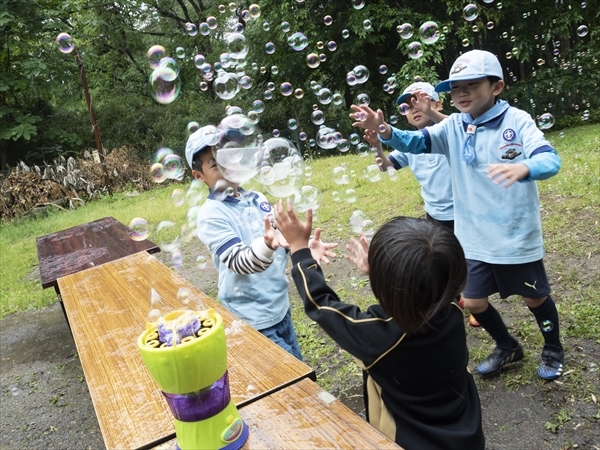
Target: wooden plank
point(84, 246)
point(107, 308)
point(303, 416)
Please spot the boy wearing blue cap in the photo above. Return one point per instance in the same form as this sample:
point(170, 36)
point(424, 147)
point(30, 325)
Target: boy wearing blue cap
point(499, 229)
point(250, 255)
point(431, 171)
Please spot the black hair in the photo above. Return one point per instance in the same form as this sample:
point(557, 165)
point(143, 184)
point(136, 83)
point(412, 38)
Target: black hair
point(493, 79)
point(416, 269)
point(196, 161)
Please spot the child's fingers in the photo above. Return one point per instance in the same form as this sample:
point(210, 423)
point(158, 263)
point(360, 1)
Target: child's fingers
point(317, 235)
point(309, 220)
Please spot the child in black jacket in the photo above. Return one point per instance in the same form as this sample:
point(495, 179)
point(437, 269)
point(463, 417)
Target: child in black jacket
point(412, 345)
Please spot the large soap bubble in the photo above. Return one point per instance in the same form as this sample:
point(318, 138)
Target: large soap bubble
point(164, 84)
point(307, 197)
point(238, 153)
point(236, 45)
point(326, 138)
point(282, 167)
point(226, 85)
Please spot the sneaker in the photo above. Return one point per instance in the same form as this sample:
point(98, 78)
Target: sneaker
point(473, 321)
point(551, 366)
point(493, 363)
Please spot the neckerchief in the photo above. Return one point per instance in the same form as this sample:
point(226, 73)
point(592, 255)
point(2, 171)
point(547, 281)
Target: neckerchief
point(468, 150)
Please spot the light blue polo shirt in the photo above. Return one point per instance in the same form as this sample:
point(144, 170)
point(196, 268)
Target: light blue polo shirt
point(261, 299)
point(433, 174)
point(493, 224)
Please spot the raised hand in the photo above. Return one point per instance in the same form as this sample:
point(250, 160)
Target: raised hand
point(358, 253)
point(371, 137)
point(272, 238)
point(293, 230)
point(367, 119)
point(320, 250)
point(421, 101)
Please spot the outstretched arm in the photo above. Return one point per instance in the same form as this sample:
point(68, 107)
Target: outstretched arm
point(421, 101)
point(371, 137)
point(319, 250)
point(368, 119)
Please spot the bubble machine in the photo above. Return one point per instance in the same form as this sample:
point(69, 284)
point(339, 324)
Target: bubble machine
point(186, 354)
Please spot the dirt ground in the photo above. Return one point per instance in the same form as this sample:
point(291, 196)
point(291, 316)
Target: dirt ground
point(45, 404)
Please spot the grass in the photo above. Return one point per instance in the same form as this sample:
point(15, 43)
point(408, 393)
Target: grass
point(570, 208)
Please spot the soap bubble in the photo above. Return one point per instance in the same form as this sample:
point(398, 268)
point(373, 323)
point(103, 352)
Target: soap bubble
point(582, 31)
point(326, 138)
point(345, 33)
point(201, 262)
point(405, 30)
point(268, 95)
point(180, 52)
point(363, 149)
point(155, 55)
point(393, 120)
point(212, 22)
point(465, 42)
point(470, 12)
point(490, 25)
point(298, 41)
point(302, 136)
point(199, 60)
point(367, 25)
point(343, 145)
point(360, 116)
point(66, 44)
point(337, 99)
point(322, 57)
point(298, 93)
point(383, 70)
point(361, 73)
point(335, 196)
point(340, 176)
point(258, 106)
point(351, 78)
point(358, 220)
point(191, 29)
point(545, 121)
point(372, 173)
point(178, 197)
point(164, 84)
point(285, 27)
point(362, 100)
point(269, 48)
point(324, 96)
point(173, 167)
point(317, 117)
point(354, 139)
point(275, 132)
point(239, 152)
point(327, 20)
point(415, 50)
point(204, 29)
point(226, 85)
point(157, 171)
point(292, 124)
point(192, 127)
point(237, 45)
point(305, 198)
point(254, 10)
point(312, 60)
point(429, 32)
point(282, 167)
point(245, 82)
point(286, 89)
point(350, 195)
point(138, 229)
point(404, 109)
point(307, 172)
point(271, 86)
point(358, 4)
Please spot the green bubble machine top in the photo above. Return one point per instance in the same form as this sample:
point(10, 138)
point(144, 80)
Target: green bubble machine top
point(186, 354)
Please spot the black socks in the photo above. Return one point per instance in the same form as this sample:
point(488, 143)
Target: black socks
point(546, 316)
point(493, 324)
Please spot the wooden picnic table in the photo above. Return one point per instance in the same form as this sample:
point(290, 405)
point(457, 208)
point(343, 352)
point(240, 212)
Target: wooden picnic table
point(84, 246)
point(304, 416)
point(107, 307)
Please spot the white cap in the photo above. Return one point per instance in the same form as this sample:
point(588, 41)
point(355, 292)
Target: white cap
point(419, 86)
point(471, 66)
point(203, 137)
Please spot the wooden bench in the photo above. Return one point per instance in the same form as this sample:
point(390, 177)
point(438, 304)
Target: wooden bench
point(303, 416)
point(107, 307)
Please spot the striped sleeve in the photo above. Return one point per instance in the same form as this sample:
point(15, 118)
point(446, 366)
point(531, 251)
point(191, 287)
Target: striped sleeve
point(246, 259)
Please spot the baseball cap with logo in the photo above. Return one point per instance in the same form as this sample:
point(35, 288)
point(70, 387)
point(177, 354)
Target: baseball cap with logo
point(419, 86)
point(203, 137)
point(471, 66)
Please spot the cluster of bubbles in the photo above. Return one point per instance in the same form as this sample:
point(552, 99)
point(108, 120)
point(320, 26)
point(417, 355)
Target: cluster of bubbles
point(358, 75)
point(167, 165)
point(164, 82)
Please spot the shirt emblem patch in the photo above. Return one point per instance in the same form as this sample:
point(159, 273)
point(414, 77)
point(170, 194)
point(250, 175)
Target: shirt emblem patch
point(508, 134)
point(511, 154)
point(265, 206)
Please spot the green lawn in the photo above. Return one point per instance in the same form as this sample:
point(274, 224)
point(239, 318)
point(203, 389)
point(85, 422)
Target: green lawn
point(570, 215)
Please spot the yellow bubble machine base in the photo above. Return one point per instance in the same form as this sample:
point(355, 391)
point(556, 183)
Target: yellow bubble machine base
point(193, 377)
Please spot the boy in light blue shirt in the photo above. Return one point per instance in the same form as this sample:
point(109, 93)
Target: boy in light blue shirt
point(491, 147)
point(250, 255)
point(432, 170)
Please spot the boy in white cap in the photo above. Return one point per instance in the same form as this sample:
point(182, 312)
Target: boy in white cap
point(490, 147)
point(431, 171)
point(250, 255)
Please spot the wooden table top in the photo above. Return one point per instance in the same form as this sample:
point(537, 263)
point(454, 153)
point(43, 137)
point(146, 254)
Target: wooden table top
point(84, 246)
point(303, 416)
point(107, 308)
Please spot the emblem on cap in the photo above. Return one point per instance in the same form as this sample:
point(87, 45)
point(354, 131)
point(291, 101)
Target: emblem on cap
point(458, 68)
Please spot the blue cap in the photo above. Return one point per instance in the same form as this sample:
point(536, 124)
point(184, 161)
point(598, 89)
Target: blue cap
point(203, 137)
point(419, 86)
point(471, 66)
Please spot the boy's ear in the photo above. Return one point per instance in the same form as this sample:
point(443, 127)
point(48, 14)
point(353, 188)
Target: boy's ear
point(498, 88)
point(198, 175)
point(437, 105)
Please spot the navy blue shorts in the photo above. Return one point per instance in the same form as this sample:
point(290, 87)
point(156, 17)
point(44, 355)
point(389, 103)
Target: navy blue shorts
point(284, 335)
point(528, 280)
